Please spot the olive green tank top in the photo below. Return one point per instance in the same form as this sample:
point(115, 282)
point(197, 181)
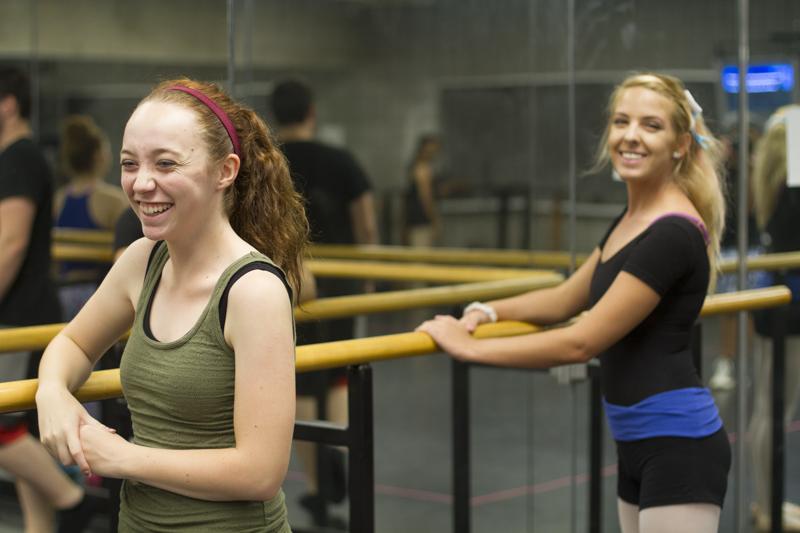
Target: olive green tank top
point(180, 396)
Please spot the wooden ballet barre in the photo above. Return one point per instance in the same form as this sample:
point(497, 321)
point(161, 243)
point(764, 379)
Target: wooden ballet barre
point(83, 236)
point(747, 300)
point(81, 252)
point(84, 245)
point(76, 238)
point(777, 261)
point(332, 268)
point(479, 256)
point(37, 337)
point(104, 384)
point(336, 268)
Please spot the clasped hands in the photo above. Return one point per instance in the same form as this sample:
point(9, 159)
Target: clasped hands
point(73, 436)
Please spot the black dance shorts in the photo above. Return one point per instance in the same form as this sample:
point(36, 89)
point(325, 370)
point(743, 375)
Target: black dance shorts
point(674, 470)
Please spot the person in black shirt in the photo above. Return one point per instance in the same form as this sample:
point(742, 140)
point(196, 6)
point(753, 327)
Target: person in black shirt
point(28, 297)
point(777, 209)
point(642, 289)
point(340, 210)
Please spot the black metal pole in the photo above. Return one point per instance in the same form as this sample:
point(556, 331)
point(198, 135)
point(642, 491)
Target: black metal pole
point(741, 522)
point(461, 447)
point(595, 451)
point(503, 213)
point(778, 444)
point(361, 462)
point(527, 216)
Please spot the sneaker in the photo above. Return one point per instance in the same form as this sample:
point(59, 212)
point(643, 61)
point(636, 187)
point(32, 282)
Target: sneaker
point(722, 379)
point(76, 519)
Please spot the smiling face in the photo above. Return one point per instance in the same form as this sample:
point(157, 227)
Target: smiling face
point(641, 135)
point(166, 170)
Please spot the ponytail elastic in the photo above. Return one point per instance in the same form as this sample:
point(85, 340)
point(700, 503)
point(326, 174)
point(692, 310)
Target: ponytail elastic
point(217, 110)
point(695, 112)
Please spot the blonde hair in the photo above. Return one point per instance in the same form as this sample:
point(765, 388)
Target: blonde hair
point(769, 168)
point(699, 172)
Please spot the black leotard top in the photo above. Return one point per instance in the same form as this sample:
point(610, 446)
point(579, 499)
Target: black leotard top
point(670, 257)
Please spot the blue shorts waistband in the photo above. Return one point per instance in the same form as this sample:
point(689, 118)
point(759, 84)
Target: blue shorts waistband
point(689, 412)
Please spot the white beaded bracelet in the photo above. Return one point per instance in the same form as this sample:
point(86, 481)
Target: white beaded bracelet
point(486, 309)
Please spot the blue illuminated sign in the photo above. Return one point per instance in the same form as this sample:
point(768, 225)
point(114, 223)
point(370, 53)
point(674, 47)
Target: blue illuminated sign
point(769, 78)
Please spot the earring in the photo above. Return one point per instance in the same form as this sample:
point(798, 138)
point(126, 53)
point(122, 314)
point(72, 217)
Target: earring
point(676, 155)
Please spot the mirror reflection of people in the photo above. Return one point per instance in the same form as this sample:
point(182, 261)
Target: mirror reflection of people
point(422, 219)
point(209, 382)
point(85, 202)
point(777, 209)
point(28, 297)
point(722, 375)
point(642, 289)
point(341, 210)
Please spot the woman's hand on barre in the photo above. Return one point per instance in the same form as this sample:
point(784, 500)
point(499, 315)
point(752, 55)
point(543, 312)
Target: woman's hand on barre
point(451, 335)
point(61, 417)
point(473, 319)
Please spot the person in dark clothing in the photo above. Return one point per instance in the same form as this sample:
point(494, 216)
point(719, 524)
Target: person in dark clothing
point(422, 221)
point(28, 297)
point(642, 289)
point(777, 209)
point(127, 230)
point(723, 371)
point(340, 209)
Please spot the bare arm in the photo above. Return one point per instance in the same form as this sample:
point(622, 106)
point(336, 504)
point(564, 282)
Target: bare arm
point(106, 204)
point(626, 304)
point(71, 355)
point(362, 217)
point(545, 306)
point(16, 223)
point(254, 469)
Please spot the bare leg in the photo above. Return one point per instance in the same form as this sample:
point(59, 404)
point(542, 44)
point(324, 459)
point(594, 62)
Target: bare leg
point(722, 378)
point(628, 516)
point(307, 451)
point(38, 515)
point(760, 434)
point(694, 517)
point(337, 404)
point(41, 484)
point(26, 459)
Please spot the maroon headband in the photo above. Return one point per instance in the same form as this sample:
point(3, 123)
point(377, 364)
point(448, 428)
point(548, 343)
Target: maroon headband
point(217, 110)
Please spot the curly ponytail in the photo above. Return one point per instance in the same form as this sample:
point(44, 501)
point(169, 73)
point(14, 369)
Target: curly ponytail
point(262, 205)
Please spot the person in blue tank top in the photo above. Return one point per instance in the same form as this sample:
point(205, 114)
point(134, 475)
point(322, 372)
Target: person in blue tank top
point(85, 202)
point(208, 369)
point(642, 289)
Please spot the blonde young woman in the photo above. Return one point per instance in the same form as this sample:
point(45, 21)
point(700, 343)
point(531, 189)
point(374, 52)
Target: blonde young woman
point(208, 370)
point(777, 209)
point(642, 289)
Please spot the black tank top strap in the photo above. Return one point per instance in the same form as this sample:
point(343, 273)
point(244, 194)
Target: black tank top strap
point(249, 267)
